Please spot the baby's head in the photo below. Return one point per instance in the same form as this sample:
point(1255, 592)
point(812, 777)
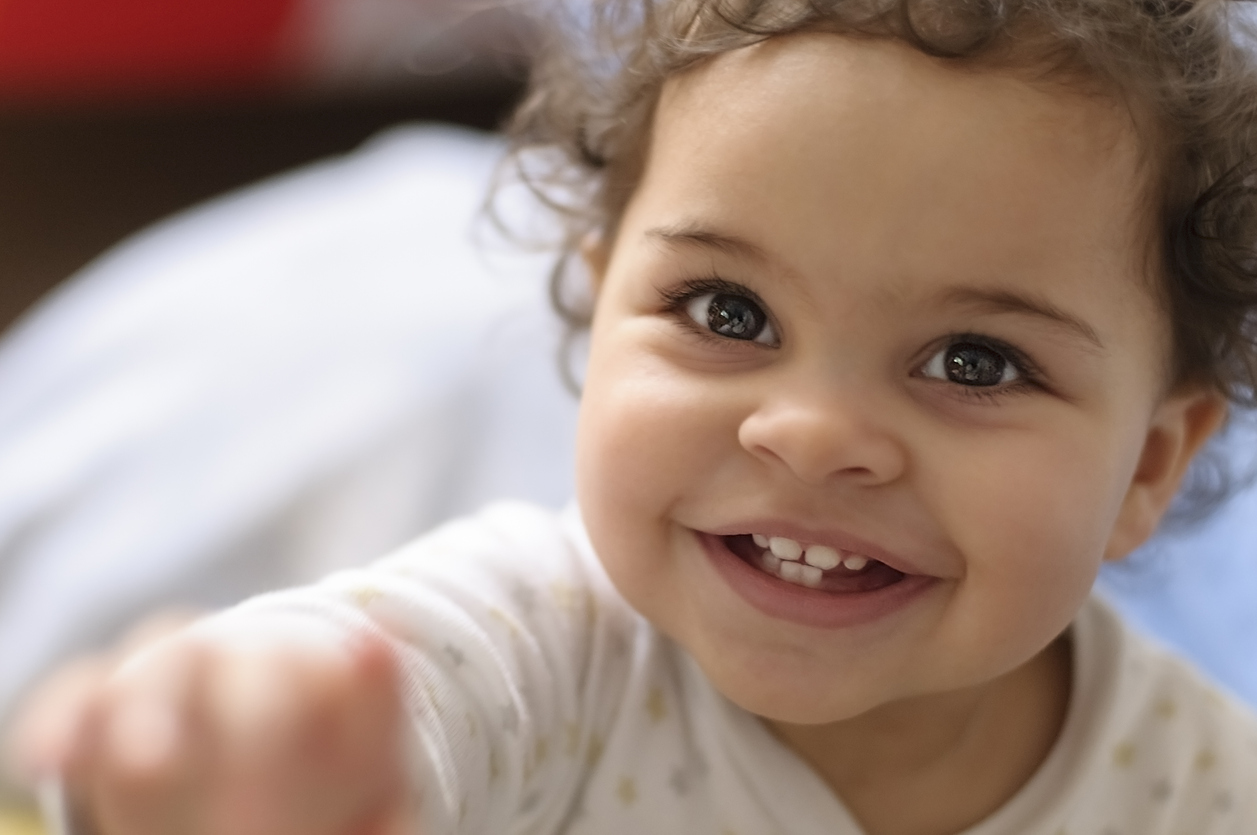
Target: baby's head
point(1185, 70)
point(944, 296)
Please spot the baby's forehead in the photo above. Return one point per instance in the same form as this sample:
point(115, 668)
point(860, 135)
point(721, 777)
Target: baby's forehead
point(834, 154)
point(894, 73)
point(823, 96)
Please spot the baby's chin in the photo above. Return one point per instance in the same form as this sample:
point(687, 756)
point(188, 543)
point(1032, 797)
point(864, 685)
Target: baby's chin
point(778, 709)
point(793, 694)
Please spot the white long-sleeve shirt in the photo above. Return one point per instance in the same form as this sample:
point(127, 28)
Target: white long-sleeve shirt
point(542, 703)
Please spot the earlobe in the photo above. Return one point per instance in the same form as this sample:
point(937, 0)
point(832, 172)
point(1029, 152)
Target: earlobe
point(1181, 426)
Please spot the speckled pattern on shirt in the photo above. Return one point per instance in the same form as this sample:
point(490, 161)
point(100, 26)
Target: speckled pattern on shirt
point(542, 703)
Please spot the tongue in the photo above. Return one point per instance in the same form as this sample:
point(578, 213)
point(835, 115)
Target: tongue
point(876, 575)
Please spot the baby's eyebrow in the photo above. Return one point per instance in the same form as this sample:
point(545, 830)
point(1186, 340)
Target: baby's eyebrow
point(1011, 301)
point(996, 301)
point(695, 235)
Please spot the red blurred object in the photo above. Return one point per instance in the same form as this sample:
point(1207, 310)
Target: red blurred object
point(77, 49)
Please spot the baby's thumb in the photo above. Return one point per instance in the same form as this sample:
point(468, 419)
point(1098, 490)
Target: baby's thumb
point(378, 685)
point(402, 819)
point(373, 660)
point(377, 670)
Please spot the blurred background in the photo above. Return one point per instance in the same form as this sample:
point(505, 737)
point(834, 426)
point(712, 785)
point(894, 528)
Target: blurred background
point(306, 373)
point(113, 113)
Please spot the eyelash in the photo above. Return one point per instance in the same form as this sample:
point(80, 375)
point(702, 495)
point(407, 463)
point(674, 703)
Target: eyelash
point(676, 298)
point(1030, 376)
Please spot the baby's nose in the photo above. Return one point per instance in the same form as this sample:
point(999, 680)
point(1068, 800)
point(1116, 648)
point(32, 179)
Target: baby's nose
point(823, 436)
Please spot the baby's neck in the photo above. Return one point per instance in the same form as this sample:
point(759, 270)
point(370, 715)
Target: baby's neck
point(940, 764)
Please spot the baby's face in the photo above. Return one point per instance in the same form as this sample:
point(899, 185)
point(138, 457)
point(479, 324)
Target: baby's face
point(892, 314)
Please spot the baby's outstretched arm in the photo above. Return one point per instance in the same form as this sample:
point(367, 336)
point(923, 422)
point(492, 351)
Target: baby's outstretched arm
point(499, 662)
point(208, 734)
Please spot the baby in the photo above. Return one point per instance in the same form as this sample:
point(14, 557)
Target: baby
point(908, 315)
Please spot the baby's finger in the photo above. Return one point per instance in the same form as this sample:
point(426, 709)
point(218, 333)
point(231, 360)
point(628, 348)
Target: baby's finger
point(374, 728)
point(399, 818)
point(142, 753)
point(308, 740)
point(154, 628)
point(380, 679)
point(379, 735)
point(48, 720)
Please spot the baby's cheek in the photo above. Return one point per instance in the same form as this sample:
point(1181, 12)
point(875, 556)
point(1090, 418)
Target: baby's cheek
point(646, 447)
point(1032, 537)
point(648, 433)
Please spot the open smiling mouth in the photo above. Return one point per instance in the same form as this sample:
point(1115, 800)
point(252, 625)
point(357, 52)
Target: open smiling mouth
point(813, 566)
point(811, 584)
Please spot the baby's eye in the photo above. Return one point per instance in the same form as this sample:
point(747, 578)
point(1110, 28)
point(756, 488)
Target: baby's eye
point(972, 364)
point(732, 316)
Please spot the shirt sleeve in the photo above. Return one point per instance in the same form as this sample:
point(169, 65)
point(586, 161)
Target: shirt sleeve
point(510, 642)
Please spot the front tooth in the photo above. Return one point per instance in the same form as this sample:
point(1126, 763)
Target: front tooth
point(786, 549)
point(855, 562)
point(760, 540)
point(822, 556)
point(770, 563)
point(800, 574)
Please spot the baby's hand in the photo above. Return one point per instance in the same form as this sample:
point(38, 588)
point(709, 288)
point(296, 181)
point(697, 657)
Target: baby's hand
point(46, 720)
point(195, 736)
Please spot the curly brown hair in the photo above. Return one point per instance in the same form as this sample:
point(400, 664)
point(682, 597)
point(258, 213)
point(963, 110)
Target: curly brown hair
point(1186, 70)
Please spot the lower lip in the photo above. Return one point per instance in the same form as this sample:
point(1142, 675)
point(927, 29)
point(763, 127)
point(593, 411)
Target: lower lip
point(810, 607)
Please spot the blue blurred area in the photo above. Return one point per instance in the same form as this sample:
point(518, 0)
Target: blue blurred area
point(1194, 585)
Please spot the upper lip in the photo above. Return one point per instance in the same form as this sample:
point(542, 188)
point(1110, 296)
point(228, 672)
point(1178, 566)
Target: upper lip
point(834, 538)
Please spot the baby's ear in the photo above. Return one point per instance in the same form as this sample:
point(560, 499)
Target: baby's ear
point(596, 253)
point(1179, 428)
